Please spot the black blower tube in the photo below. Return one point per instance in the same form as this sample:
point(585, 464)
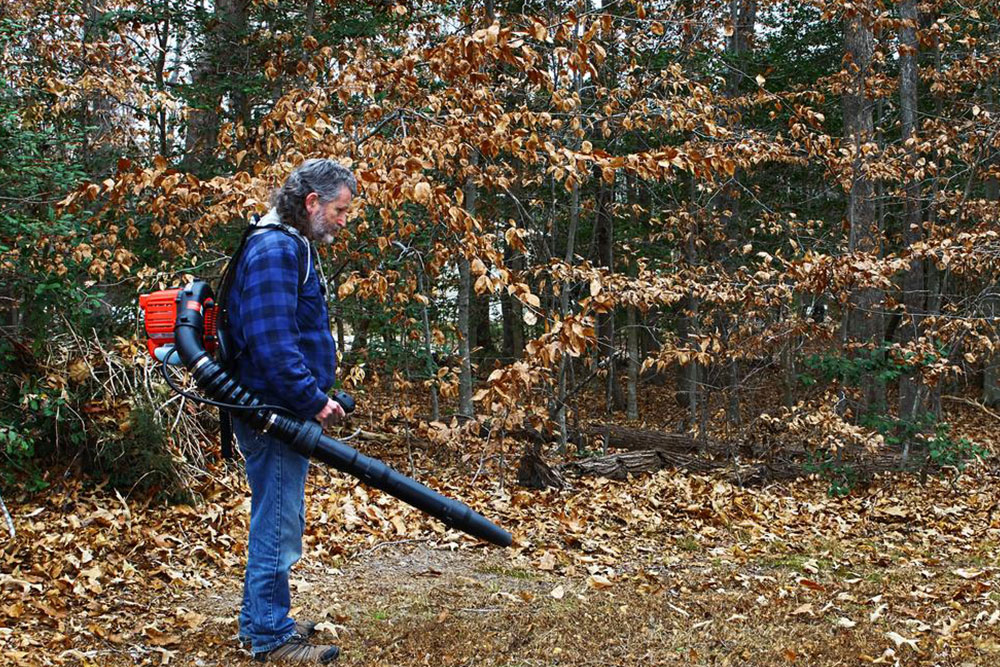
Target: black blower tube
point(306, 437)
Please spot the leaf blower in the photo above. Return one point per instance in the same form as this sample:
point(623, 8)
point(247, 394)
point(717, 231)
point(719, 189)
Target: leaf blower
point(181, 324)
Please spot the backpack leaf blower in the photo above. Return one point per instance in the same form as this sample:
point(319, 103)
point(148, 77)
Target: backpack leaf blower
point(186, 318)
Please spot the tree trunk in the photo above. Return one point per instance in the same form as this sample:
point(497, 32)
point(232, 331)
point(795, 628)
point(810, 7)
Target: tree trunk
point(429, 366)
point(534, 473)
point(159, 121)
point(481, 338)
point(864, 323)
point(604, 239)
point(991, 191)
point(632, 404)
point(689, 374)
point(465, 295)
point(632, 329)
point(913, 280)
point(574, 222)
point(233, 17)
point(511, 310)
point(221, 66)
point(743, 16)
point(560, 406)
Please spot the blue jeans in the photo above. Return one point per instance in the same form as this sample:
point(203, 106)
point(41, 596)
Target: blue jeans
point(277, 477)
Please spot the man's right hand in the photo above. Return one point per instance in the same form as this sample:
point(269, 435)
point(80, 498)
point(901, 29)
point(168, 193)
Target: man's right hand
point(330, 414)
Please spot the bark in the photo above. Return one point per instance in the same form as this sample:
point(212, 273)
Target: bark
point(560, 405)
point(621, 466)
point(163, 42)
point(614, 436)
point(632, 403)
point(864, 323)
point(688, 375)
point(234, 16)
point(96, 108)
point(604, 239)
point(481, 339)
point(991, 371)
point(222, 63)
point(913, 279)
point(203, 119)
point(430, 367)
point(534, 473)
point(623, 437)
point(743, 15)
point(632, 329)
point(360, 341)
point(511, 310)
point(465, 373)
point(466, 408)
point(936, 279)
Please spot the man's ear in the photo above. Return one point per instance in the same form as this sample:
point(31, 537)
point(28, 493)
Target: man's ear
point(311, 201)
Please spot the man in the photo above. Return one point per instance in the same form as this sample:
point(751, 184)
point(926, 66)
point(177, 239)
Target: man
point(285, 353)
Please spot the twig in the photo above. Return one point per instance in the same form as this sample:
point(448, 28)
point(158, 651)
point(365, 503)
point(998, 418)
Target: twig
point(378, 546)
point(977, 404)
point(6, 515)
point(180, 412)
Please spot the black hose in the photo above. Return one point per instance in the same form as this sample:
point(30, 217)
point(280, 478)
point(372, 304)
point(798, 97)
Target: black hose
point(306, 437)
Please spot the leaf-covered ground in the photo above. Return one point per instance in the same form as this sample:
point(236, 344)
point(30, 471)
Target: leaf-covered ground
point(668, 569)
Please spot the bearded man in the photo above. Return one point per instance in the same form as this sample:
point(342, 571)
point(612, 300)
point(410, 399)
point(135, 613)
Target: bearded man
point(284, 352)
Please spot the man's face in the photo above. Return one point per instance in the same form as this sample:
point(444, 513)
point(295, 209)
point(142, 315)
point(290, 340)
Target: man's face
point(325, 220)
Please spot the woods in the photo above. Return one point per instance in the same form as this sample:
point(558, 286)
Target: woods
point(555, 202)
point(755, 239)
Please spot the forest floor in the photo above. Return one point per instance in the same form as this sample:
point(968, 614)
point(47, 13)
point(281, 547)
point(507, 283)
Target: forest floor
point(670, 568)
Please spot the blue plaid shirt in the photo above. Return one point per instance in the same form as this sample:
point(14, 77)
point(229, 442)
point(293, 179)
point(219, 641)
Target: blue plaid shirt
point(281, 326)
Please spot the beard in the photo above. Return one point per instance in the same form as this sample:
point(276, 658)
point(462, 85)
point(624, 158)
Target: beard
point(318, 230)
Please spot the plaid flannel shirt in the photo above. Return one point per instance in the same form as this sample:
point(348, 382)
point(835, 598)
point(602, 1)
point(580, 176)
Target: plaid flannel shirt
point(281, 326)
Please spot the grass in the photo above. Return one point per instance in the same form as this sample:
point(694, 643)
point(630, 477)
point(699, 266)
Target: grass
point(509, 572)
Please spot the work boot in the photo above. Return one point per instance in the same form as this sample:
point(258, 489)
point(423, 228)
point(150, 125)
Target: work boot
point(298, 650)
point(304, 628)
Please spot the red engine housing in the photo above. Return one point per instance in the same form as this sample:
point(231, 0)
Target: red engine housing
point(159, 311)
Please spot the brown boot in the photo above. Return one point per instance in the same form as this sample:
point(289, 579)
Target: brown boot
point(298, 650)
point(304, 628)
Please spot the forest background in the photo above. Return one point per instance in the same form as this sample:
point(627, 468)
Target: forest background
point(758, 236)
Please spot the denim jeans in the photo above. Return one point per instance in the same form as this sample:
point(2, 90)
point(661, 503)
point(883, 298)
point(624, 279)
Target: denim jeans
point(277, 477)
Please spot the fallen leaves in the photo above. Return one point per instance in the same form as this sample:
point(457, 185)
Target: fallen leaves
point(900, 640)
point(685, 545)
point(968, 573)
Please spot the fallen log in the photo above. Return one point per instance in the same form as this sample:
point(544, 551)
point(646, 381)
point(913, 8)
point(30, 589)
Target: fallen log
point(620, 466)
point(632, 439)
point(628, 438)
point(534, 473)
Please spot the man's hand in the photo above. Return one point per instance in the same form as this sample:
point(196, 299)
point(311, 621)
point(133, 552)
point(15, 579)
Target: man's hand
point(330, 414)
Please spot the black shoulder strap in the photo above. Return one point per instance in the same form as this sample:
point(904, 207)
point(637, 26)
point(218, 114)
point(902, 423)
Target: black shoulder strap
point(227, 354)
point(229, 273)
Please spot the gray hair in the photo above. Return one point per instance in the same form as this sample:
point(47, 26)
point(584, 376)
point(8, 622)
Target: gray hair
point(320, 175)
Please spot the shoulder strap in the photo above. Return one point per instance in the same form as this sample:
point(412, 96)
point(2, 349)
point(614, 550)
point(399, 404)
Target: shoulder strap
point(256, 228)
point(227, 354)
